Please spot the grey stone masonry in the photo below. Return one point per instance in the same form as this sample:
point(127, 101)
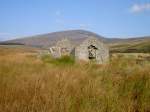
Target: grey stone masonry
point(89, 49)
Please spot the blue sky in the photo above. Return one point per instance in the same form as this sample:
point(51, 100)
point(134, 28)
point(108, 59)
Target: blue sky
point(109, 18)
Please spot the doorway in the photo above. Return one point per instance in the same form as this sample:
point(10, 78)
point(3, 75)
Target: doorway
point(92, 52)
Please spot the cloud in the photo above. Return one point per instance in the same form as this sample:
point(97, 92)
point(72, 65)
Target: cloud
point(137, 8)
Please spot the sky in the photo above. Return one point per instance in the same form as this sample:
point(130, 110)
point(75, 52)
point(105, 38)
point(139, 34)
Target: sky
point(109, 18)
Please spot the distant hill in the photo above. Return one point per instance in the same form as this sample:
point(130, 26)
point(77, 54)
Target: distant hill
point(131, 45)
point(46, 40)
point(140, 44)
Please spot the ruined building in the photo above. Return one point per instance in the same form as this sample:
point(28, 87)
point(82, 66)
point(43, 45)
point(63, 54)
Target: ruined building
point(88, 49)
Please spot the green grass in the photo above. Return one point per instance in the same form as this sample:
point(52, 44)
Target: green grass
point(65, 60)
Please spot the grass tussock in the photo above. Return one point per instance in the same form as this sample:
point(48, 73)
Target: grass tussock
point(65, 60)
point(29, 84)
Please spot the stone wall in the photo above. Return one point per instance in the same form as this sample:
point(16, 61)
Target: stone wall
point(90, 49)
point(101, 50)
point(62, 48)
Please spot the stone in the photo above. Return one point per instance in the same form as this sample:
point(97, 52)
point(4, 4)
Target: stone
point(89, 49)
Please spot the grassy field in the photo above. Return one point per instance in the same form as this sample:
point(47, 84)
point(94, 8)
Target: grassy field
point(29, 83)
point(142, 46)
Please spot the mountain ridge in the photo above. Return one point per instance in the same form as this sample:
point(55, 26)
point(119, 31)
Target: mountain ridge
point(45, 40)
point(115, 44)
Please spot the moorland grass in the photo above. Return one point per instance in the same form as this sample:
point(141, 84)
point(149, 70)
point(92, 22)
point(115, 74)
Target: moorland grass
point(31, 84)
point(64, 60)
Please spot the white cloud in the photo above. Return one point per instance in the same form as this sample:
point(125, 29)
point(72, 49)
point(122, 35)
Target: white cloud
point(137, 8)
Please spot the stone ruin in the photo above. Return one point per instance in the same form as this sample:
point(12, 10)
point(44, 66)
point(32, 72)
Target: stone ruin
point(88, 49)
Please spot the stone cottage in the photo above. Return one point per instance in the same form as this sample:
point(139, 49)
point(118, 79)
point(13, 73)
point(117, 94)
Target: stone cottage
point(87, 49)
point(61, 48)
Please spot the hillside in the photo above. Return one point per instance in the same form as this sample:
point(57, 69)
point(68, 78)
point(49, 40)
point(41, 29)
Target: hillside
point(133, 45)
point(46, 40)
point(139, 44)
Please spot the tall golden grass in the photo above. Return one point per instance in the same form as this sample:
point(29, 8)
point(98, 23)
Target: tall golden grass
point(31, 84)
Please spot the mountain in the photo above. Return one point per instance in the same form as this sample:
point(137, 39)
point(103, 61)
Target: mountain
point(46, 40)
point(139, 44)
